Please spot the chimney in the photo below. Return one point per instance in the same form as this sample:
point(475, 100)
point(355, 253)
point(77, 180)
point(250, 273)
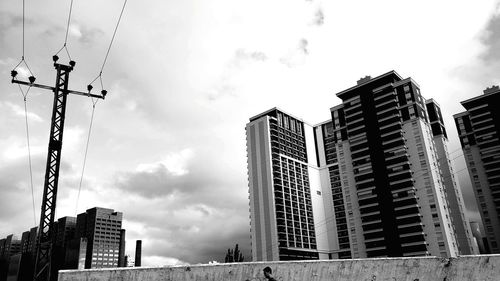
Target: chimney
point(364, 80)
point(138, 253)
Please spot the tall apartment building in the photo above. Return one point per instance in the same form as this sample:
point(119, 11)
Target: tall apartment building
point(280, 165)
point(99, 231)
point(367, 183)
point(478, 128)
point(463, 231)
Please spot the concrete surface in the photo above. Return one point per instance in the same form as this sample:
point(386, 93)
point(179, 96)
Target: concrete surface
point(485, 267)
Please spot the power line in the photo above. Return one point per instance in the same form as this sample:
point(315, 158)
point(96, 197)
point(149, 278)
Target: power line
point(94, 102)
point(67, 26)
point(23, 44)
point(23, 31)
point(29, 149)
point(99, 76)
point(114, 34)
point(67, 32)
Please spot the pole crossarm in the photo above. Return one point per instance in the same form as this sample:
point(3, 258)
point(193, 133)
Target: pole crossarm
point(53, 89)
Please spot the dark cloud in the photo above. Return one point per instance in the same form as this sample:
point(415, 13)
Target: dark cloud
point(159, 181)
point(192, 217)
point(208, 244)
point(491, 38)
point(15, 194)
point(8, 21)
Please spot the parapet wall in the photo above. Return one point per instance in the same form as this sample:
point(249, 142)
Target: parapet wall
point(485, 267)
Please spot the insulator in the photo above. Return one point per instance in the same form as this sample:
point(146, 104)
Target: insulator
point(104, 93)
point(89, 87)
point(32, 79)
point(55, 58)
point(13, 73)
point(72, 63)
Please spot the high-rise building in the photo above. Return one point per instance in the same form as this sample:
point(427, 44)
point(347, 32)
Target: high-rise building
point(478, 129)
point(100, 229)
point(281, 166)
point(390, 171)
point(367, 183)
point(464, 235)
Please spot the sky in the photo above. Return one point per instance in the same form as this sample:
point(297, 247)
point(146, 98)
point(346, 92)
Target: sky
point(167, 146)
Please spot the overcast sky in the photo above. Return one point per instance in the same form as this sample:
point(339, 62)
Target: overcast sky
point(168, 144)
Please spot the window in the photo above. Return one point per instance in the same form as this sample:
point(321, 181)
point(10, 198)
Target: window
point(412, 111)
point(318, 192)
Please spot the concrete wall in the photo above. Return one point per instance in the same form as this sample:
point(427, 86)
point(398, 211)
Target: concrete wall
point(485, 267)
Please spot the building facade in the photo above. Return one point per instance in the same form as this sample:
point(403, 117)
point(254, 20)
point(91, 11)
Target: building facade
point(366, 183)
point(281, 204)
point(464, 235)
point(92, 240)
point(99, 231)
point(478, 128)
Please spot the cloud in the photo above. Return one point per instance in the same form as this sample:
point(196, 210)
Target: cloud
point(319, 17)
point(297, 56)
point(242, 54)
point(8, 20)
point(189, 207)
point(491, 39)
point(20, 112)
point(161, 261)
point(85, 34)
point(303, 46)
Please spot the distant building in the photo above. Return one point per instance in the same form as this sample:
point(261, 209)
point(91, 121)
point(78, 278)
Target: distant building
point(103, 235)
point(481, 241)
point(367, 183)
point(94, 239)
point(10, 249)
point(28, 254)
point(479, 131)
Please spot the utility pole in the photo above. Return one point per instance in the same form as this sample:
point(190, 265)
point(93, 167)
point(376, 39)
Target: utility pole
point(45, 230)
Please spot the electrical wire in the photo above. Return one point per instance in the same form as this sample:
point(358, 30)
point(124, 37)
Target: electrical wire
point(67, 26)
point(94, 102)
point(113, 38)
point(99, 76)
point(67, 32)
point(29, 149)
point(23, 61)
point(23, 30)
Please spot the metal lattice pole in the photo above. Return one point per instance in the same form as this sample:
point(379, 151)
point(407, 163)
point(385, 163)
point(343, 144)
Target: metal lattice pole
point(45, 231)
